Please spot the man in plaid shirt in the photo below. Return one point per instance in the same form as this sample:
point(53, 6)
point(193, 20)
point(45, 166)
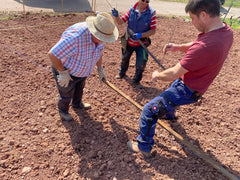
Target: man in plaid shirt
point(75, 56)
point(141, 19)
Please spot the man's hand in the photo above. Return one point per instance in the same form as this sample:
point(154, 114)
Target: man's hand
point(115, 12)
point(101, 74)
point(64, 78)
point(155, 75)
point(136, 36)
point(170, 47)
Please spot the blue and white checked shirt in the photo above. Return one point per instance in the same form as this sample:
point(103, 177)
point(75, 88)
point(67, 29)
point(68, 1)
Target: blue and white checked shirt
point(76, 50)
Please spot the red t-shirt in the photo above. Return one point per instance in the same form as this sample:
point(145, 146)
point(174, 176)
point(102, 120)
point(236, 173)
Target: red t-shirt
point(205, 57)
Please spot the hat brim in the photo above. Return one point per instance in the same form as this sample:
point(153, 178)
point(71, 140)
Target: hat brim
point(103, 37)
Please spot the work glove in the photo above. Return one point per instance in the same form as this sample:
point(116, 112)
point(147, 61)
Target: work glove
point(101, 74)
point(63, 78)
point(115, 12)
point(136, 36)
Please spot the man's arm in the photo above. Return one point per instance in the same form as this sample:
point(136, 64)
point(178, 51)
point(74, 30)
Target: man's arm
point(64, 76)
point(99, 62)
point(118, 20)
point(56, 62)
point(100, 70)
point(149, 33)
point(176, 47)
point(170, 74)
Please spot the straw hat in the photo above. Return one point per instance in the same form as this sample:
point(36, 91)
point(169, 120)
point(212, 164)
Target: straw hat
point(103, 27)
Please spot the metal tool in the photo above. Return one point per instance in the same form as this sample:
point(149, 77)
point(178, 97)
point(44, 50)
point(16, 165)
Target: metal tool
point(143, 45)
point(169, 40)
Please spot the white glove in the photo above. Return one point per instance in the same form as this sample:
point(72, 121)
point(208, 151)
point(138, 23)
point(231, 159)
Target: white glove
point(101, 74)
point(64, 78)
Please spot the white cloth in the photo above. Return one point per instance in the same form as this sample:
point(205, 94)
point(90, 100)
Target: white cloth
point(64, 78)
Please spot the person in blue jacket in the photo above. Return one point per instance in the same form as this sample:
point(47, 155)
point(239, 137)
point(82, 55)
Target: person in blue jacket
point(141, 19)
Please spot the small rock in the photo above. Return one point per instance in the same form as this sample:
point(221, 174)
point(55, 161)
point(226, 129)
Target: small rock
point(96, 175)
point(45, 130)
point(174, 148)
point(11, 143)
point(26, 170)
point(66, 173)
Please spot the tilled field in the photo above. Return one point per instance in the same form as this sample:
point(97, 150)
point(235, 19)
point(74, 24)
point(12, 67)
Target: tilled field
point(35, 144)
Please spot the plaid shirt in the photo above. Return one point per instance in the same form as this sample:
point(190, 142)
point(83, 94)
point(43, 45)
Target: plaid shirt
point(76, 50)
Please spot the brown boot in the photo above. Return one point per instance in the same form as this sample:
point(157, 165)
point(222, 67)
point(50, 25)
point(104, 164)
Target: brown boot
point(133, 147)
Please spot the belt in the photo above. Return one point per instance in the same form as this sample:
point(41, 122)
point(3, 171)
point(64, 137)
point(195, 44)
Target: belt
point(195, 94)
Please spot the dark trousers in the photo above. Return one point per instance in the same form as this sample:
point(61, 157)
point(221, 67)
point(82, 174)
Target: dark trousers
point(141, 61)
point(72, 93)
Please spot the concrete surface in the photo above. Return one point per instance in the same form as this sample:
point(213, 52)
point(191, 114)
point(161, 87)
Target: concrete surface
point(161, 7)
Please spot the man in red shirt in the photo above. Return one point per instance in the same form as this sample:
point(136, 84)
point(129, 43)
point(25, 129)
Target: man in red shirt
point(193, 75)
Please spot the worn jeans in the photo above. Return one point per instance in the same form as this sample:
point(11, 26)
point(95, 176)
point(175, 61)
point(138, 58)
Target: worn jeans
point(141, 61)
point(178, 94)
point(73, 93)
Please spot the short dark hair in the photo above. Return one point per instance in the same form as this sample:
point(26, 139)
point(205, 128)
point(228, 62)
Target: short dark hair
point(211, 7)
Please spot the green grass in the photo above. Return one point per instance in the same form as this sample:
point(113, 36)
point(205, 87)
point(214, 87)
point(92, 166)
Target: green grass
point(4, 18)
point(234, 23)
point(236, 3)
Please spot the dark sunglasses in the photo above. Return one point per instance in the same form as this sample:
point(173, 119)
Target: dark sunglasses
point(147, 1)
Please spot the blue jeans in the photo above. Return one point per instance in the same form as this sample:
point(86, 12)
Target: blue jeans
point(141, 61)
point(162, 105)
point(73, 93)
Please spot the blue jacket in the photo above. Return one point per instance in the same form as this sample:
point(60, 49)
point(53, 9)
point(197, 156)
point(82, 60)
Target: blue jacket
point(141, 24)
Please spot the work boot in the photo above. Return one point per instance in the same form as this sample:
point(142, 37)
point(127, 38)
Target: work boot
point(137, 85)
point(65, 116)
point(119, 76)
point(81, 105)
point(133, 147)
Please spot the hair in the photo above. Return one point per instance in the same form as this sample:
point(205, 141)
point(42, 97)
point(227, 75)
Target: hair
point(211, 7)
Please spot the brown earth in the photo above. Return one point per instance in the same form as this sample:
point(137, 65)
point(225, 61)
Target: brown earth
point(35, 144)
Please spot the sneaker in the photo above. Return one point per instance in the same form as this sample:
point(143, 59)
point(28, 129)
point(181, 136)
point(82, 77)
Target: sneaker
point(65, 116)
point(82, 106)
point(119, 76)
point(137, 85)
point(133, 147)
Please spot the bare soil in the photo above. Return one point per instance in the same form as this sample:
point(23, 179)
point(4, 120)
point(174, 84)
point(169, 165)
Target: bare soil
point(35, 144)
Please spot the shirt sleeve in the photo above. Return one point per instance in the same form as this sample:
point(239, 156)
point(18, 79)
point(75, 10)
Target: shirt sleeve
point(197, 57)
point(153, 23)
point(65, 47)
point(125, 16)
